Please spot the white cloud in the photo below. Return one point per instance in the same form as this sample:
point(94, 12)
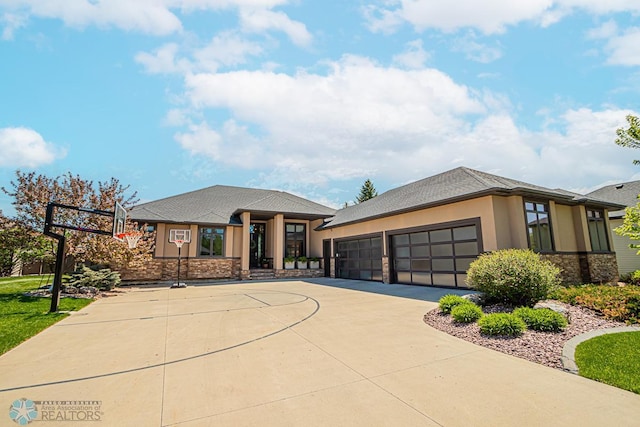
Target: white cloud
point(163, 60)
point(148, 16)
point(23, 147)
point(606, 30)
point(361, 119)
point(156, 17)
point(10, 23)
point(226, 49)
point(201, 139)
point(489, 17)
point(624, 49)
point(476, 51)
point(262, 20)
point(414, 57)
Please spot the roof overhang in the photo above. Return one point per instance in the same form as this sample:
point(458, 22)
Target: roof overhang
point(524, 192)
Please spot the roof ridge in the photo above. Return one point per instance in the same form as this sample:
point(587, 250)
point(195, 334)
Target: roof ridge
point(253, 202)
point(475, 174)
point(177, 195)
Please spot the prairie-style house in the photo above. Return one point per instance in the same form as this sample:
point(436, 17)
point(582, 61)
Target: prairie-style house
point(424, 233)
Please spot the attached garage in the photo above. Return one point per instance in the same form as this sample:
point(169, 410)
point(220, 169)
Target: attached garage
point(435, 256)
point(359, 258)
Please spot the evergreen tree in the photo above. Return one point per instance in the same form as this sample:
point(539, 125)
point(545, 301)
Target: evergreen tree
point(368, 191)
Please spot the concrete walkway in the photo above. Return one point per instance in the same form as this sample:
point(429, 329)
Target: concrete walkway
point(289, 353)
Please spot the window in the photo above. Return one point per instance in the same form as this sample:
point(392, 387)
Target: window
point(295, 240)
point(597, 230)
point(211, 241)
point(538, 226)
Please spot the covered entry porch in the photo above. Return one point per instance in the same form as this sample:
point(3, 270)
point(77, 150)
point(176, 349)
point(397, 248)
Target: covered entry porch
point(267, 239)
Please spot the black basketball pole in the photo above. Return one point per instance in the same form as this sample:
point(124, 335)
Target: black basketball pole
point(179, 251)
point(48, 224)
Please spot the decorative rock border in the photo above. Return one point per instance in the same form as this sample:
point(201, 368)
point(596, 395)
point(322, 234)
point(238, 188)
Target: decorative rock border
point(569, 349)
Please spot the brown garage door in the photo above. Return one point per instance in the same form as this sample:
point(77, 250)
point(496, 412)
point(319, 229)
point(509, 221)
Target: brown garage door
point(438, 257)
point(359, 258)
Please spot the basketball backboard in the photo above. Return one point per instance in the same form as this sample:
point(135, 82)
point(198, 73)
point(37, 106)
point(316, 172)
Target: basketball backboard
point(179, 234)
point(119, 221)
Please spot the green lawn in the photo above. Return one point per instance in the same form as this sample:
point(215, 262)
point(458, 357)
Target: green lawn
point(23, 317)
point(613, 359)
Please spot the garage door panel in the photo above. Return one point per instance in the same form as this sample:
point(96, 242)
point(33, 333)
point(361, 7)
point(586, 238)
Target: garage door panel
point(360, 259)
point(466, 248)
point(438, 257)
point(421, 251)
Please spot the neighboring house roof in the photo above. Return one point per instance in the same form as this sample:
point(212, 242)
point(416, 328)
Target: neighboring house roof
point(625, 193)
point(222, 204)
point(455, 185)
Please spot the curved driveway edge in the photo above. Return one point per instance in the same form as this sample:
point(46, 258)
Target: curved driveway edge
point(569, 349)
point(322, 352)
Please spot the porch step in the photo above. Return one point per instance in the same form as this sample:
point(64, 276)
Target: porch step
point(262, 274)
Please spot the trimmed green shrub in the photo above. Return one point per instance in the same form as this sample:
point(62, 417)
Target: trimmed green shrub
point(541, 319)
point(516, 277)
point(505, 324)
point(447, 302)
point(466, 313)
point(103, 279)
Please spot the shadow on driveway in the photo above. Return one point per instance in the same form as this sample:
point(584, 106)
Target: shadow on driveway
point(423, 293)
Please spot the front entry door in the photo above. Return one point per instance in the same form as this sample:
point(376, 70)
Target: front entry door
point(257, 245)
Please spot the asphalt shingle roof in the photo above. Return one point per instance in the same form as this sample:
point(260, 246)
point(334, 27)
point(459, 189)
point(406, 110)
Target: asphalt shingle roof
point(625, 193)
point(454, 185)
point(221, 204)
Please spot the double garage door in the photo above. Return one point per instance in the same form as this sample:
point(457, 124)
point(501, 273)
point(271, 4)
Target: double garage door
point(435, 257)
point(431, 257)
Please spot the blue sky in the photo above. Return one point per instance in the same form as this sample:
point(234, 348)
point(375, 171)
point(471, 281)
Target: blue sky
point(315, 97)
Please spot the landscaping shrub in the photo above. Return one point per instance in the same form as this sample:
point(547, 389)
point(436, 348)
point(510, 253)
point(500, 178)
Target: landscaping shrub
point(621, 303)
point(635, 277)
point(466, 313)
point(447, 302)
point(505, 324)
point(103, 279)
point(513, 276)
point(541, 319)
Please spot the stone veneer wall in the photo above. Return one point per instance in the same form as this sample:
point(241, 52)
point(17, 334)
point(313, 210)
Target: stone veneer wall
point(585, 267)
point(603, 267)
point(190, 268)
point(385, 270)
point(569, 264)
point(295, 273)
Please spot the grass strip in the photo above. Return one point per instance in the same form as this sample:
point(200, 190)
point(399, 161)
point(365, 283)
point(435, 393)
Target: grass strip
point(613, 359)
point(22, 317)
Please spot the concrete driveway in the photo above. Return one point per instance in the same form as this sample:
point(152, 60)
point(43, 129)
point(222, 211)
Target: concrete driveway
point(288, 353)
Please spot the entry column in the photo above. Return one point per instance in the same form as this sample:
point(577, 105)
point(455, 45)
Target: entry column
point(246, 245)
point(278, 239)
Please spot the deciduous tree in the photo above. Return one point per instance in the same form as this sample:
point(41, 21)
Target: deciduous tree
point(32, 193)
point(630, 137)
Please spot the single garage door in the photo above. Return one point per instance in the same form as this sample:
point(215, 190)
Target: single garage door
point(359, 258)
point(438, 257)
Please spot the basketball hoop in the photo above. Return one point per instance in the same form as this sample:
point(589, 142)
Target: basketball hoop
point(179, 243)
point(132, 238)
